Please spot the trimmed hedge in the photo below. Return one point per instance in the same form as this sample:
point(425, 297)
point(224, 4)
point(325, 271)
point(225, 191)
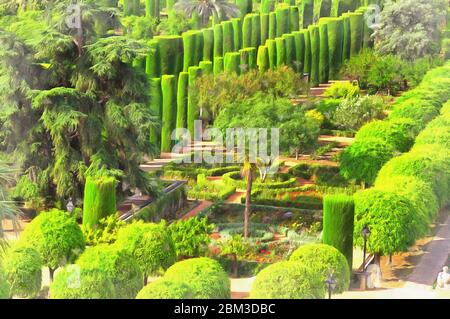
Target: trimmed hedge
point(264, 27)
point(299, 37)
point(232, 62)
point(171, 53)
point(156, 108)
point(218, 40)
point(247, 31)
point(338, 223)
point(335, 28)
point(169, 113)
point(192, 111)
point(256, 31)
point(288, 280)
point(289, 40)
point(237, 29)
point(272, 25)
point(314, 76)
point(324, 66)
point(218, 65)
point(165, 289)
point(324, 259)
point(283, 21)
point(99, 200)
point(182, 100)
point(263, 58)
point(204, 276)
point(208, 44)
point(306, 13)
point(228, 37)
point(272, 50)
point(234, 178)
point(206, 67)
point(357, 32)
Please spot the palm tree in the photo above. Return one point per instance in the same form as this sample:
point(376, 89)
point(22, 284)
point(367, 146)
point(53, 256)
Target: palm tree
point(7, 208)
point(219, 9)
point(247, 173)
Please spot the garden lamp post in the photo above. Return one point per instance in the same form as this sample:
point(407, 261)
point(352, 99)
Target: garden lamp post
point(331, 284)
point(70, 206)
point(365, 234)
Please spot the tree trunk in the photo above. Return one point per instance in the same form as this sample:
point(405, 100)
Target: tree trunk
point(296, 155)
point(52, 273)
point(235, 265)
point(145, 280)
point(248, 203)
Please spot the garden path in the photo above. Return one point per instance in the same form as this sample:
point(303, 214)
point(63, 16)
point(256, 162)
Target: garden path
point(197, 210)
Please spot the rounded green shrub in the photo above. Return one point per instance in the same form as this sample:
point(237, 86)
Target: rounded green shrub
point(419, 110)
point(397, 132)
point(418, 191)
point(364, 158)
point(56, 236)
point(23, 270)
point(429, 163)
point(324, 259)
point(71, 282)
point(150, 244)
point(393, 220)
point(288, 280)
point(165, 289)
point(435, 135)
point(342, 90)
point(205, 276)
point(117, 265)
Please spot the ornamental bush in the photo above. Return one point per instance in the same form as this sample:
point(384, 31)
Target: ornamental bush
point(364, 158)
point(165, 289)
point(205, 276)
point(324, 259)
point(435, 135)
point(288, 280)
point(72, 282)
point(56, 236)
point(150, 244)
point(342, 90)
point(417, 109)
point(23, 271)
point(338, 220)
point(399, 133)
point(393, 221)
point(117, 265)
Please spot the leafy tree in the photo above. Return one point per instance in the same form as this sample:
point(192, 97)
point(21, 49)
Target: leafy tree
point(7, 208)
point(73, 104)
point(23, 269)
point(205, 9)
point(353, 113)
point(175, 24)
point(191, 236)
point(410, 28)
point(56, 236)
point(150, 244)
point(235, 247)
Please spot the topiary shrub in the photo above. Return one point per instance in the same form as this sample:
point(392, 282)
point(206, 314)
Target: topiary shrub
point(393, 221)
point(23, 270)
point(117, 265)
point(338, 219)
point(72, 282)
point(288, 280)
point(340, 90)
point(418, 110)
point(150, 244)
point(99, 200)
point(324, 259)
point(364, 158)
point(205, 276)
point(165, 289)
point(398, 132)
point(56, 236)
point(435, 135)
point(429, 163)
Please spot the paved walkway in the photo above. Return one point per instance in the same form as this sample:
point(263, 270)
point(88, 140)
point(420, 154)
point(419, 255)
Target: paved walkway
point(197, 210)
point(437, 254)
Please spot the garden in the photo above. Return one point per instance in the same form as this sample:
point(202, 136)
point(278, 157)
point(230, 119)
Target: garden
point(107, 190)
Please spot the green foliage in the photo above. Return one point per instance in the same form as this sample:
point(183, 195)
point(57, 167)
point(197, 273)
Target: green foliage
point(364, 158)
point(204, 276)
point(386, 75)
point(399, 133)
point(175, 24)
point(23, 271)
point(4, 286)
point(356, 29)
point(99, 200)
point(169, 111)
point(56, 236)
point(288, 280)
point(410, 28)
point(352, 113)
point(207, 190)
point(105, 232)
point(314, 36)
point(393, 221)
point(116, 265)
point(165, 289)
point(71, 282)
point(150, 244)
point(324, 63)
point(234, 245)
point(191, 236)
point(324, 260)
point(338, 219)
point(342, 90)
point(219, 9)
